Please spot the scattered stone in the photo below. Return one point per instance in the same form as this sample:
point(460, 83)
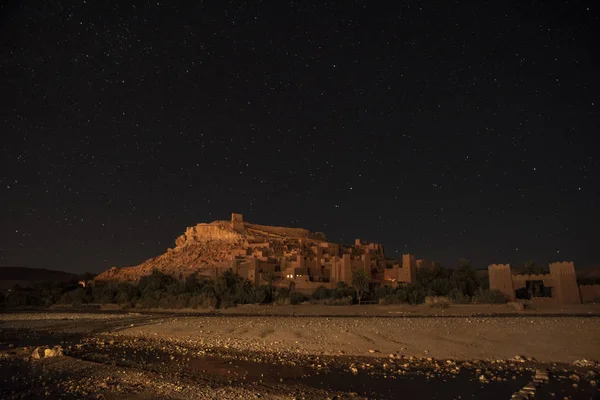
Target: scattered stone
point(38, 353)
point(530, 387)
point(541, 376)
point(46, 352)
point(584, 363)
point(56, 351)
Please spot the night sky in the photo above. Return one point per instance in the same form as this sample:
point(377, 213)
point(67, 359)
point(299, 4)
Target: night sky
point(448, 131)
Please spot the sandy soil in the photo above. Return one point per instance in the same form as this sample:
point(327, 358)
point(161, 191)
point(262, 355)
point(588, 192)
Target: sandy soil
point(396, 310)
point(564, 334)
point(270, 353)
point(409, 310)
point(546, 339)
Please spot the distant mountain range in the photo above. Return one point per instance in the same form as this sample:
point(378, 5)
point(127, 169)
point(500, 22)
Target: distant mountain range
point(25, 277)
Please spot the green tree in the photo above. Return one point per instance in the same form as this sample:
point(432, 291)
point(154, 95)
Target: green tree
point(360, 282)
point(321, 293)
point(530, 268)
point(464, 278)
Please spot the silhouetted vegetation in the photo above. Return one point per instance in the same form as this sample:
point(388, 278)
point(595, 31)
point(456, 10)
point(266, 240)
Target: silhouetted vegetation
point(159, 290)
point(531, 268)
point(360, 282)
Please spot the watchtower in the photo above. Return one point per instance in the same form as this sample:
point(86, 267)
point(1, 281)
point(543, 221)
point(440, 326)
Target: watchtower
point(237, 222)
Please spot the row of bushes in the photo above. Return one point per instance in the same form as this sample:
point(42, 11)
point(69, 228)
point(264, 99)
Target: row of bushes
point(159, 290)
point(460, 286)
point(412, 294)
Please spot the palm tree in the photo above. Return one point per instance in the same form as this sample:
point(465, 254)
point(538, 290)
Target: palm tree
point(360, 282)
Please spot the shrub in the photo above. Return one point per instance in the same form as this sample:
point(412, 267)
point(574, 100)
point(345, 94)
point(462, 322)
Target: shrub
point(517, 306)
point(203, 300)
point(296, 297)
point(458, 297)
point(344, 301)
point(383, 291)
point(487, 296)
point(438, 301)
point(398, 297)
point(76, 297)
point(342, 290)
point(321, 293)
point(415, 294)
point(262, 295)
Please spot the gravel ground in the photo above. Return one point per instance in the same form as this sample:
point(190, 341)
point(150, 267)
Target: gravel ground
point(546, 339)
point(148, 356)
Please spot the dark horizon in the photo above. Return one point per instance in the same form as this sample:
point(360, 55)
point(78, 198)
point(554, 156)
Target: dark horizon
point(442, 131)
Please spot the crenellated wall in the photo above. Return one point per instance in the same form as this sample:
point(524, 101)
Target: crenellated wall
point(501, 279)
point(520, 280)
point(589, 293)
point(561, 279)
point(567, 291)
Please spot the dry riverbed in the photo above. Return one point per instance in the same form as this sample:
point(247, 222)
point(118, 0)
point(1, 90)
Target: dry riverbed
point(274, 356)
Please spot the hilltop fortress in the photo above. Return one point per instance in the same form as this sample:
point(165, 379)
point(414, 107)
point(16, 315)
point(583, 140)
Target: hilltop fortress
point(259, 252)
point(306, 260)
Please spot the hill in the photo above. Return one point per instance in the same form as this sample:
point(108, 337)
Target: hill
point(209, 247)
point(26, 277)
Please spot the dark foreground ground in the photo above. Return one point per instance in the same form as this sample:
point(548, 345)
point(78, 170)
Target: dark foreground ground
point(147, 356)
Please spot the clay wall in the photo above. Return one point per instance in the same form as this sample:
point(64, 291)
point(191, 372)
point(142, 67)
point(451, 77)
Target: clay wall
point(409, 265)
point(280, 230)
point(589, 293)
point(266, 267)
point(424, 264)
point(520, 281)
point(567, 291)
point(366, 261)
point(306, 287)
point(315, 270)
point(398, 274)
point(501, 279)
point(237, 222)
point(346, 269)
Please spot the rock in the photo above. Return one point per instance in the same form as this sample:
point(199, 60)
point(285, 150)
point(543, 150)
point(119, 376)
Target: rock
point(584, 363)
point(38, 353)
point(56, 351)
point(541, 376)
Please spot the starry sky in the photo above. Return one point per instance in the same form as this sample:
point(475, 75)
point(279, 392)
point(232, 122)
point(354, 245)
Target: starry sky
point(442, 129)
